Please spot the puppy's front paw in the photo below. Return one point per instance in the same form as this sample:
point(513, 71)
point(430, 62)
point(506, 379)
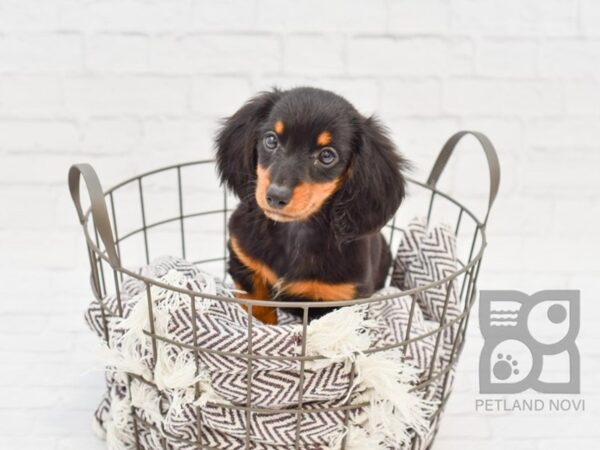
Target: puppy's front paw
point(266, 314)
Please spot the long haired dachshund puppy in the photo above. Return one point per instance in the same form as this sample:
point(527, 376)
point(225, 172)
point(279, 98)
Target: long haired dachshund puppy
point(316, 181)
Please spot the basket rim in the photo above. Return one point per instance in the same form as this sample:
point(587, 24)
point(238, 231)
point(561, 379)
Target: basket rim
point(480, 228)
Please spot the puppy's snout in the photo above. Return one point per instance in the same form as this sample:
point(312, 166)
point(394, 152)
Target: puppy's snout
point(278, 196)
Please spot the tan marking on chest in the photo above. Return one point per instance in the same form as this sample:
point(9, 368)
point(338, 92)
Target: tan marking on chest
point(260, 269)
point(320, 290)
point(262, 277)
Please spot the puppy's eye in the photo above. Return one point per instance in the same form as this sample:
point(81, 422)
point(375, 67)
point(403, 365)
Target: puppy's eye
point(270, 140)
point(328, 156)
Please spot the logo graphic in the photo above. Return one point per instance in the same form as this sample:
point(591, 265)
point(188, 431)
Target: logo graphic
point(529, 342)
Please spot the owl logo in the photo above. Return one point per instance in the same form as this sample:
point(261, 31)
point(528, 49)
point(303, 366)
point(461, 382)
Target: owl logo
point(529, 342)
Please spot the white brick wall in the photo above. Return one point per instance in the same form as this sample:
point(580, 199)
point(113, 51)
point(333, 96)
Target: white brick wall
point(130, 85)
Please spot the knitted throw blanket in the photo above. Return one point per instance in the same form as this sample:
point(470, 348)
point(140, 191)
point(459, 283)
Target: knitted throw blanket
point(181, 397)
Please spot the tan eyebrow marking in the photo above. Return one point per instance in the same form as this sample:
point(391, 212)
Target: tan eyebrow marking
point(279, 127)
point(324, 138)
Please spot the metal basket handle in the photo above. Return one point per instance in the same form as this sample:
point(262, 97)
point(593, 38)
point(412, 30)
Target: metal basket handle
point(98, 206)
point(490, 153)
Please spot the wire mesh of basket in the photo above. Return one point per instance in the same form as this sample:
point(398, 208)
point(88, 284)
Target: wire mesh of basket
point(171, 210)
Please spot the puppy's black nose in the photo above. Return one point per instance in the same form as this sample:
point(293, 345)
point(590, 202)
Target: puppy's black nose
point(278, 196)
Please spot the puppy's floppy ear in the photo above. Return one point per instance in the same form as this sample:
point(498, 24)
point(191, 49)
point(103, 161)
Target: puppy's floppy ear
point(236, 143)
point(374, 186)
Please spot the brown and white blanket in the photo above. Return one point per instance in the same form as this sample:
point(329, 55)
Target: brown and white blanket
point(181, 397)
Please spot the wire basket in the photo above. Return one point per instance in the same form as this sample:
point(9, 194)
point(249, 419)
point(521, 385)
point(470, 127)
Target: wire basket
point(139, 218)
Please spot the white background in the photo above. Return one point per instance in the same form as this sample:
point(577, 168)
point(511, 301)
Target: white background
point(131, 85)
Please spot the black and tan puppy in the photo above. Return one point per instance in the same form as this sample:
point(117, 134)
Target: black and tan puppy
point(317, 181)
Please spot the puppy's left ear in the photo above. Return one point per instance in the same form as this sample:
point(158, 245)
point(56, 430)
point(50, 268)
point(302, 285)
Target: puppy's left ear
point(374, 186)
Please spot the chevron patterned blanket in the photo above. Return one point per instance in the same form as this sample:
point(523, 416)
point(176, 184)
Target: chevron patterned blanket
point(162, 394)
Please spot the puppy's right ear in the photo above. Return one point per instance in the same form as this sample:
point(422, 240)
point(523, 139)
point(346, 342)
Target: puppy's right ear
point(236, 143)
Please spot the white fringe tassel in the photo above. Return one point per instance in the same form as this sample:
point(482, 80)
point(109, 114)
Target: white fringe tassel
point(338, 336)
point(146, 399)
point(382, 379)
point(119, 426)
point(175, 368)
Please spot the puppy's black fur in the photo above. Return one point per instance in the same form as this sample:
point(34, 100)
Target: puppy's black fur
point(316, 181)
